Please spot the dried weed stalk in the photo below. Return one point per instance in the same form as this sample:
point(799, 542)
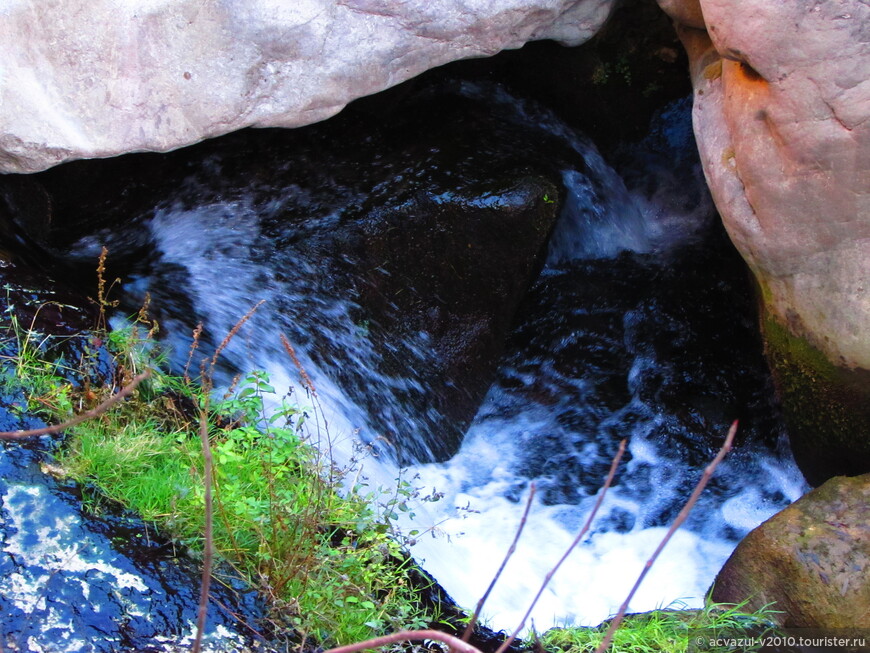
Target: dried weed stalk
point(78, 419)
point(687, 508)
point(601, 493)
point(513, 547)
point(208, 477)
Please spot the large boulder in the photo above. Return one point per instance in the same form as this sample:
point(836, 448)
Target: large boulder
point(812, 559)
point(105, 78)
point(782, 102)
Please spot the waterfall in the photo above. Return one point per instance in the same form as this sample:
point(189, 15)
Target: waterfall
point(639, 326)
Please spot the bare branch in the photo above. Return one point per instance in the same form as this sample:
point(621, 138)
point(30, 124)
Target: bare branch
point(552, 572)
point(453, 642)
point(687, 508)
point(208, 552)
point(470, 627)
point(78, 419)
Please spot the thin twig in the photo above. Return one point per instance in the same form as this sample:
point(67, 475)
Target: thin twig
point(78, 419)
point(601, 493)
point(470, 627)
point(687, 508)
point(408, 636)
point(208, 552)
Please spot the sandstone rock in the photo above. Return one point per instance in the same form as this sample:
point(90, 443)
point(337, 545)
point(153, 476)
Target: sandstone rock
point(782, 119)
point(783, 125)
point(107, 78)
point(812, 559)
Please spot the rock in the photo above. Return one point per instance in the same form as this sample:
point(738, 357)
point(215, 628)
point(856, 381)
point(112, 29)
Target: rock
point(684, 12)
point(827, 406)
point(144, 75)
point(99, 584)
point(812, 559)
point(781, 114)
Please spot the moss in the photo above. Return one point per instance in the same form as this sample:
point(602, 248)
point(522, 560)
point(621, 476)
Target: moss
point(826, 406)
point(665, 631)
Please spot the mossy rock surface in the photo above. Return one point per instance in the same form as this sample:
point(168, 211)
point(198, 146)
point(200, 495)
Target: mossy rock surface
point(826, 407)
point(812, 559)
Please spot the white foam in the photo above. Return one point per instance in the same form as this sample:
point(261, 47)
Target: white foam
point(588, 588)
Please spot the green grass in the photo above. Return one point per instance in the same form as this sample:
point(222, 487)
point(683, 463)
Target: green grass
point(326, 557)
point(668, 631)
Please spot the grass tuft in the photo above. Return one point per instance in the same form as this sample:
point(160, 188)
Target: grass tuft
point(665, 631)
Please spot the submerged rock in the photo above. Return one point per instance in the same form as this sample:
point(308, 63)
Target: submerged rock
point(812, 560)
point(144, 75)
point(397, 239)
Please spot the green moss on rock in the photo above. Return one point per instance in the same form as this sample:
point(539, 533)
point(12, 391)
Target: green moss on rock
point(826, 406)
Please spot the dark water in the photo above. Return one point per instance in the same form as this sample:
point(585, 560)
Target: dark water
point(641, 326)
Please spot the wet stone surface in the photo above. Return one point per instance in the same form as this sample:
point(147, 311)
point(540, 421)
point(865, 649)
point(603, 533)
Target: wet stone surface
point(399, 237)
point(72, 582)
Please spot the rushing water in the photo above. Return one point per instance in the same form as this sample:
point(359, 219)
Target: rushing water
point(639, 326)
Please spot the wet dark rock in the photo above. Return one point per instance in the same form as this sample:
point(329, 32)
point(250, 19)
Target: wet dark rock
point(425, 221)
point(31, 301)
point(610, 86)
point(70, 581)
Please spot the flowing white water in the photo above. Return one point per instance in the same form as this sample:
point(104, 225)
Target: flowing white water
point(479, 522)
point(548, 419)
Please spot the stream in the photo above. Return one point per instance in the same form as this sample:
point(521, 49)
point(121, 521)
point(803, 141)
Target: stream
point(460, 341)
